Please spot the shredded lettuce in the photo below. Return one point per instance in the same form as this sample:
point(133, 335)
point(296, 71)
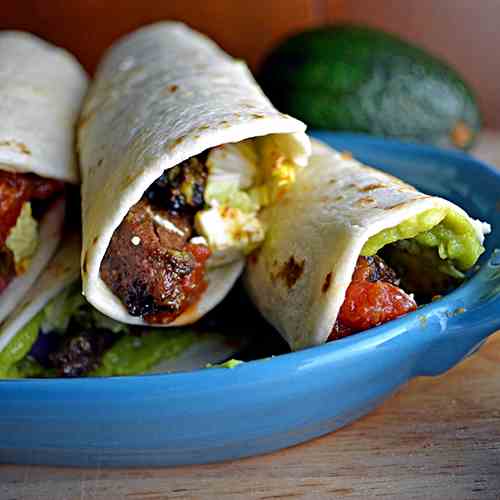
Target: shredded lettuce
point(234, 163)
point(227, 193)
point(230, 232)
point(70, 304)
point(58, 312)
point(23, 238)
point(243, 178)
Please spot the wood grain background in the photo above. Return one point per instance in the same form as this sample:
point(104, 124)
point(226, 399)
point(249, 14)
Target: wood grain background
point(463, 31)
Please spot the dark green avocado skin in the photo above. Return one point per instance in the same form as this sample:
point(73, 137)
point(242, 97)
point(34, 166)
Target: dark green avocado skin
point(359, 79)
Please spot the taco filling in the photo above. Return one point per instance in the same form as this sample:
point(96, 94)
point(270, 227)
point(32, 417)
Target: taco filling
point(199, 214)
point(413, 262)
point(24, 199)
point(69, 338)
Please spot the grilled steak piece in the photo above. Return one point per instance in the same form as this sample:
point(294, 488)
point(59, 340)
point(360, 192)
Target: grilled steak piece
point(81, 354)
point(180, 189)
point(377, 270)
point(147, 262)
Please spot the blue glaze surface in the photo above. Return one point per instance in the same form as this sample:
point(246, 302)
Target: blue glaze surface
point(261, 406)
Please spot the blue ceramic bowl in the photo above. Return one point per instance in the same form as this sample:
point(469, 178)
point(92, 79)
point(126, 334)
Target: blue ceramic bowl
point(261, 406)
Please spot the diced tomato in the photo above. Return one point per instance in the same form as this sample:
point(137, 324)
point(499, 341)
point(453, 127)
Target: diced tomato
point(42, 188)
point(369, 303)
point(194, 284)
point(15, 189)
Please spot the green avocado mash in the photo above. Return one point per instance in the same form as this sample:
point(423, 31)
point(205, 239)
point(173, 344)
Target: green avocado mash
point(450, 233)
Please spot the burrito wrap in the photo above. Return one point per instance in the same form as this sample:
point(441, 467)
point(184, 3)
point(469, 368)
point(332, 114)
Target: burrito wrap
point(41, 93)
point(42, 87)
point(299, 277)
point(162, 95)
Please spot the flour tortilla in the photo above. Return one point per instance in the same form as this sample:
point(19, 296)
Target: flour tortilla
point(50, 230)
point(41, 91)
point(62, 270)
point(161, 95)
point(318, 232)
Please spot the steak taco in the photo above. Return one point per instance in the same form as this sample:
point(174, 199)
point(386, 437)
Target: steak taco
point(179, 151)
point(350, 247)
point(40, 97)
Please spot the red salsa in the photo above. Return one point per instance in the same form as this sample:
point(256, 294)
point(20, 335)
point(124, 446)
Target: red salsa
point(369, 303)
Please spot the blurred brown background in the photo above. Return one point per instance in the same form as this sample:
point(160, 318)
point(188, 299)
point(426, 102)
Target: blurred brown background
point(465, 32)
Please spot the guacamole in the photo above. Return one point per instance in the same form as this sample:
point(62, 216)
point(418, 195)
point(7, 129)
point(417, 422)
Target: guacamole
point(451, 234)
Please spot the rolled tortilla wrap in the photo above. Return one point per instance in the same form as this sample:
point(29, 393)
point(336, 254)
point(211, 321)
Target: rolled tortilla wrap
point(163, 95)
point(40, 97)
point(337, 210)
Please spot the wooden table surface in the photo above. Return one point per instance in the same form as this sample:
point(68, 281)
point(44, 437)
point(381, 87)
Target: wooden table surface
point(438, 438)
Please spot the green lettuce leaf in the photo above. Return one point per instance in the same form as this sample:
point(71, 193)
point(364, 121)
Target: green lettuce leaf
point(71, 304)
point(23, 238)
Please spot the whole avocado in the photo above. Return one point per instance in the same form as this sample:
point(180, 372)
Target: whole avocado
point(360, 79)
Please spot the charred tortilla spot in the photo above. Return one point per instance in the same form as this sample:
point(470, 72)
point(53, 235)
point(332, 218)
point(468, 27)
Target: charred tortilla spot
point(20, 146)
point(397, 205)
point(94, 241)
point(366, 201)
point(372, 187)
point(179, 140)
point(327, 282)
point(99, 163)
point(204, 127)
point(169, 89)
point(291, 271)
point(257, 115)
point(346, 155)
